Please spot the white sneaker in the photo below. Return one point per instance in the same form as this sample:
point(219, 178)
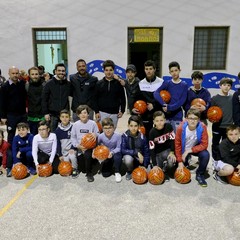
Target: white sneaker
point(118, 177)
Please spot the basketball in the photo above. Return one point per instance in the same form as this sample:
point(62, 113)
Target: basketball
point(19, 171)
point(182, 177)
point(99, 126)
point(234, 179)
point(44, 170)
point(88, 141)
point(142, 130)
point(156, 176)
point(165, 95)
point(198, 101)
point(141, 106)
point(101, 152)
point(65, 168)
point(214, 114)
point(139, 175)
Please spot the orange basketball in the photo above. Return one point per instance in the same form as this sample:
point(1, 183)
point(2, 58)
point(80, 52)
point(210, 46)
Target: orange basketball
point(156, 176)
point(44, 170)
point(234, 179)
point(139, 175)
point(99, 126)
point(182, 177)
point(101, 152)
point(198, 101)
point(141, 106)
point(88, 141)
point(214, 114)
point(19, 171)
point(65, 168)
point(165, 95)
point(142, 130)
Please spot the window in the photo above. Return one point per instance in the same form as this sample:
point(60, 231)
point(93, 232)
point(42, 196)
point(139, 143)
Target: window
point(210, 48)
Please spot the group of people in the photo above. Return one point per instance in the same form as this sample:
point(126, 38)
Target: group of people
point(47, 132)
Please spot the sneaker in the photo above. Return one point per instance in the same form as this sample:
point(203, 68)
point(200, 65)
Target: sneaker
point(32, 171)
point(201, 180)
point(128, 176)
point(9, 172)
point(166, 177)
point(90, 177)
point(118, 177)
point(218, 178)
point(75, 173)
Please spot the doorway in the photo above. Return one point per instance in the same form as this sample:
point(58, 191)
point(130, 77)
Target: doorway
point(50, 47)
point(145, 44)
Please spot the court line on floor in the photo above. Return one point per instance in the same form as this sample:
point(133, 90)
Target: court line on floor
point(19, 193)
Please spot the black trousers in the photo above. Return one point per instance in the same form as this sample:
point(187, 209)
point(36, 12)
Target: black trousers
point(44, 158)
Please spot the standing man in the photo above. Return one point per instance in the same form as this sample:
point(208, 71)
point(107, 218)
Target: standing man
point(109, 95)
point(13, 102)
point(55, 96)
point(82, 88)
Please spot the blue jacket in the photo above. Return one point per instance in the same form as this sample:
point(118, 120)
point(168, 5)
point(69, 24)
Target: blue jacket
point(132, 145)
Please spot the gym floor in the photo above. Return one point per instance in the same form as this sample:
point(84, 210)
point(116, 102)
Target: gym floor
point(65, 208)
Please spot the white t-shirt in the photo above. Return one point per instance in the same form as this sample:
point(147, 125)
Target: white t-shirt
point(191, 138)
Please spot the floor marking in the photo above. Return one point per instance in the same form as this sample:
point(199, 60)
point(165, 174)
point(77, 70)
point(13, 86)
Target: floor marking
point(19, 193)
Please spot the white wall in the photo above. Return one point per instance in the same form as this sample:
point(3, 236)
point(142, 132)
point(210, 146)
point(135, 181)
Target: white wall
point(97, 29)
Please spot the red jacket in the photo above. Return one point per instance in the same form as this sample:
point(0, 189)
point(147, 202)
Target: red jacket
point(3, 152)
point(202, 137)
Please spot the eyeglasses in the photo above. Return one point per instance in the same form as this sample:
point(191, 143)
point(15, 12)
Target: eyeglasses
point(193, 119)
point(42, 129)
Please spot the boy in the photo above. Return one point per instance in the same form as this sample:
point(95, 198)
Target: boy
point(44, 147)
point(147, 86)
point(110, 98)
point(4, 153)
point(236, 105)
point(230, 154)
point(134, 147)
point(34, 92)
point(197, 91)
point(192, 139)
point(131, 85)
point(112, 140)
point(178, 91)
point(63, 133)
point(161, 143)
point(80, 128)
point(224, 101)
point(22, 148)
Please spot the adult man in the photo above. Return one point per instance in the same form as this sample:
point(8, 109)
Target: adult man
point(82, 87)
point(13, 102)
point(55, 96)
point(109, 95)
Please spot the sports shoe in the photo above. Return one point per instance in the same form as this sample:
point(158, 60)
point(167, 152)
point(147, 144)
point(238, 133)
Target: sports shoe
point(9, 172)
point(32, 171)
point(166, 177)
point(128, 176)
point(118, 177)
point(201, 180)
point(218, 178)
point(90, 177)
point(75, 173)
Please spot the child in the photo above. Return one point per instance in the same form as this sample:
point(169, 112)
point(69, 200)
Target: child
point(197, 91)
point(44, 147)
point(230, 154)
point(134, 147)
point(80, 128)
point(63, 133)
point(22, 147)
point(112, 140)
point(178, 91)
point(34, 92)
point(192, 139)
point(161, 143)
point(224, 101)
point(4, 148)
point(236, 105)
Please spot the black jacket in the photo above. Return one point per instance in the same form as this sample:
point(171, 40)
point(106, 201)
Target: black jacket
point(55, 96)
point(236, 107)
point(82, 90)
